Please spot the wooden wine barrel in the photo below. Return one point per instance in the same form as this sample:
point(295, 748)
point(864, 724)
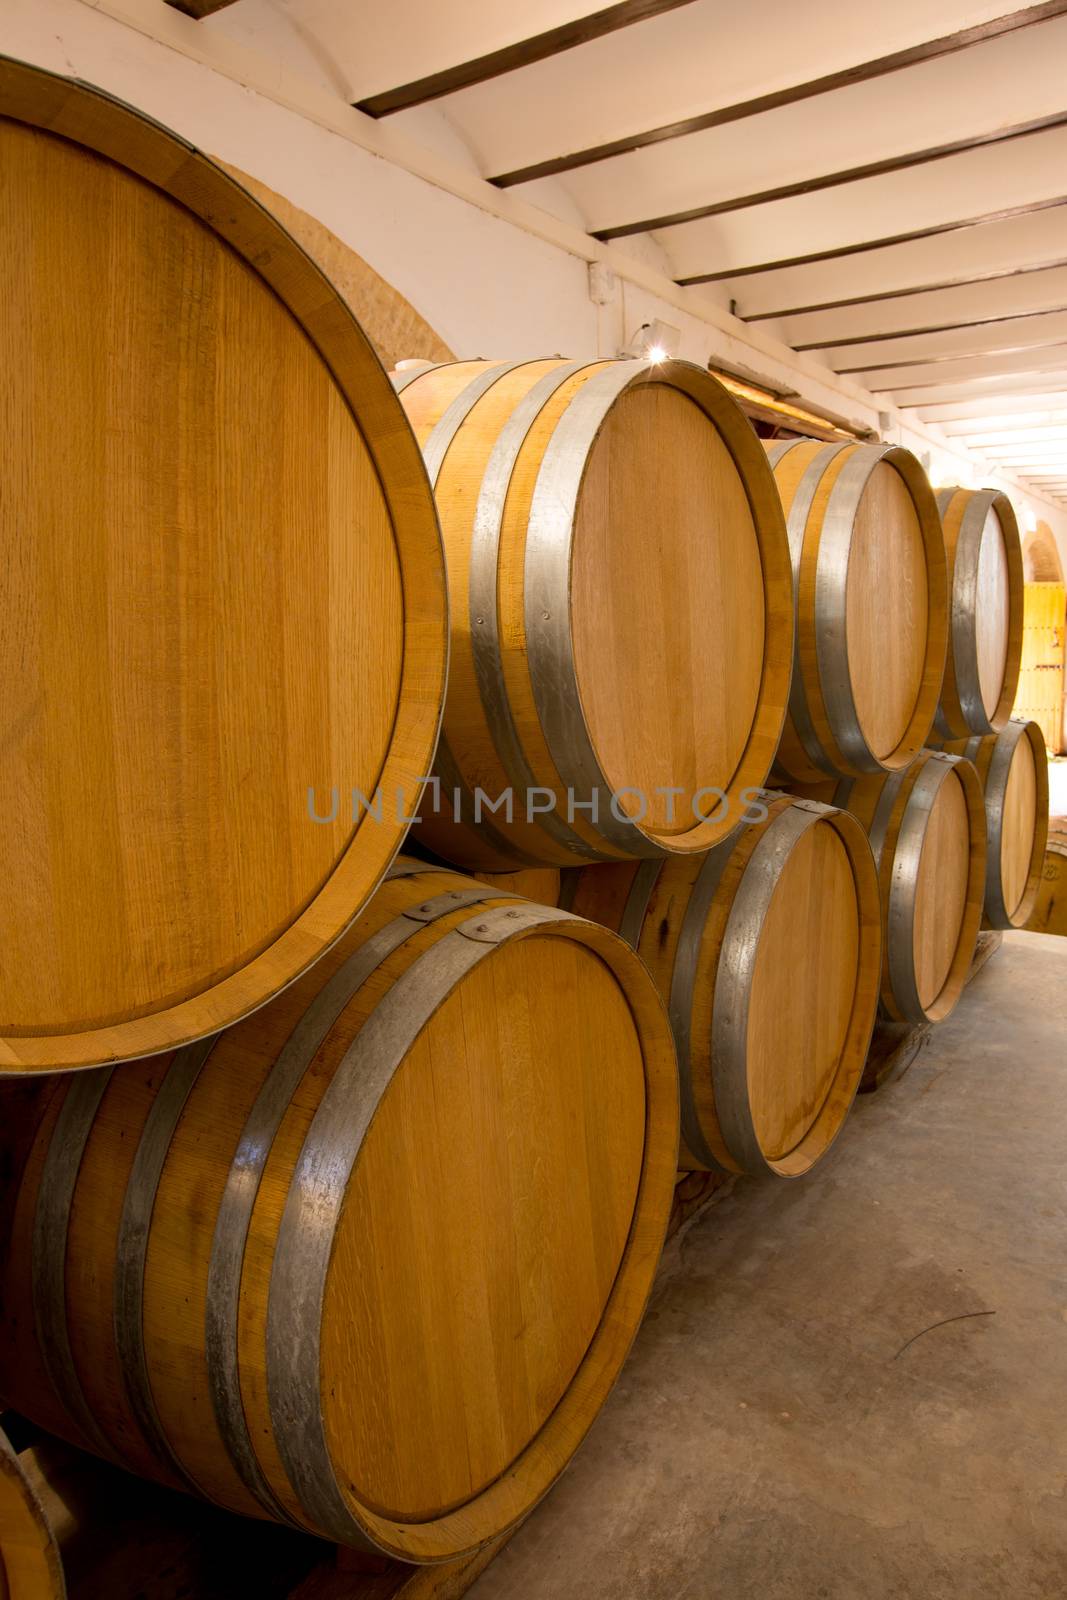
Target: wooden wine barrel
point(369, 1261)
point(869, 567)
point(622, 615)
point(30, 1564)
point(1013, 771)
point(985, 636)
point(533, 883)
point(768, 951)
point(224, 588)
point(1050, 906)
point(927, 829)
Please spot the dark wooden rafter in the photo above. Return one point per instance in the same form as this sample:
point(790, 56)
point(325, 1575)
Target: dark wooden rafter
point(1008, 384)
point(948, 44)
point(958, 355)
point(930, 328)
point(583, 30)
point(835, 180)
point(1003, 427)
point(902, 294)
point(839, 252)
point(199, 9)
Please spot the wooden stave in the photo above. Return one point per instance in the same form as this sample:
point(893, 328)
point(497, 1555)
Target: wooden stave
point(991, 755)
point(884, 807)
point(961, 710)
point(822, 737)
point(486, 848)
point(1049, 914)
point(753, 857)
point(98, 121)
point(480, 918)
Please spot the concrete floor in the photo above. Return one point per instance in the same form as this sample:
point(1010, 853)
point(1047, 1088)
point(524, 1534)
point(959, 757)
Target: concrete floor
point(774, 1434)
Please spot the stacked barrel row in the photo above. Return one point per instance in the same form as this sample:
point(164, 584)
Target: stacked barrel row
point(352, 1217)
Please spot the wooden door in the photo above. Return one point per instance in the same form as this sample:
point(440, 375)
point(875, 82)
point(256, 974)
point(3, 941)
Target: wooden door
point(1040, 693)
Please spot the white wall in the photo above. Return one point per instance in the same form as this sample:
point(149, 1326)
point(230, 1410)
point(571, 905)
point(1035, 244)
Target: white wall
point(492, 273)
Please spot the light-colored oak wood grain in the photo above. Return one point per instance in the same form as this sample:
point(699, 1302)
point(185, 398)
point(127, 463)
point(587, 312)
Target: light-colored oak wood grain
point(887, 605)
point(993, 624)
point(813, 990)
point(667, 603)
point(226, 586)
point(931, 876)
point(1019, 824)
point(533, 883)
point(1049, 911)
point(941, 889)
point(1012, 768)
point(890, 593)
point(986, 598)
point(500, 1230)
point(445, 1368)
point(674, 639)
point(803, 990)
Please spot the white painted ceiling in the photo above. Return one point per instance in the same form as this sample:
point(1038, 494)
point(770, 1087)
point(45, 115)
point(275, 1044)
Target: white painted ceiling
point(942, 283)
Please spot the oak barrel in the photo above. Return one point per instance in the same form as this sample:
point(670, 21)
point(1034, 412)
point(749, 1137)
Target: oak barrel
point(223, 584)
point(767, 950)
point(1013, 771)
point(927, 829)
point(869, 566)
point(985, 636)
point(370, 1260)
point(1050, 905)
point(621, 605)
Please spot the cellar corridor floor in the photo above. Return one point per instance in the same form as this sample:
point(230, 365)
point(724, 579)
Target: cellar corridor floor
point(785, 1428)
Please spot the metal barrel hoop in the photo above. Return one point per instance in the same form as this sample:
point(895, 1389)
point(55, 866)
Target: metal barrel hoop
point(733, 980)
point(683, 979)
point(482, 591)
point(446, 767)
point(51, 1226)
point(250, 1160)
point(316, 1195)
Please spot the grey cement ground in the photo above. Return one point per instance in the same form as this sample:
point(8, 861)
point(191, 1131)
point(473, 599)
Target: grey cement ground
point(770, 1438)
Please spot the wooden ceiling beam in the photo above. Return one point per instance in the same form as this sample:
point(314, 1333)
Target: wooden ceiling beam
point(513, 56)
point(199, 9)
point(835, 180)
point(956, 355)
point(863, 72)
point(862, 247)
point(902, 294)
point(921, 333)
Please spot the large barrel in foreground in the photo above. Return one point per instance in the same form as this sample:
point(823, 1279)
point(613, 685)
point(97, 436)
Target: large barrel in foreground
point(621, 608)
point(985, 637)
point(869, 564)
point(768, 951)
point(1013, 771)
point(927, 830)
point(371, 1260)
point(223, 585)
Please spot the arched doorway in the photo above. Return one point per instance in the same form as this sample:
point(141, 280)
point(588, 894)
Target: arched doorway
point(1041, 559)
point(1040, 696)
